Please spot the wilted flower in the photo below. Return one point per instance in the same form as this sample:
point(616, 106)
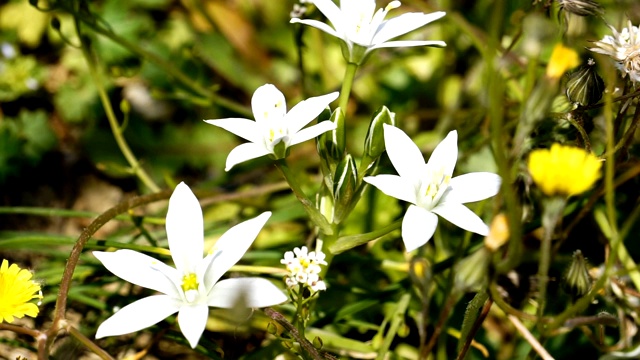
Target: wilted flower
point(624, 48)
point(274, 129)
point(304, 268)
point(581, 7)
point(430, 189)
point(192, 286)
point(363, 29)
point(563, 170)
point(16, 291)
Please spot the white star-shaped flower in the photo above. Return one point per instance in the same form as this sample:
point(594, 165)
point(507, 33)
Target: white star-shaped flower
point(192, 286)
point(430, 188)
point(363, 29)
point(274, 126)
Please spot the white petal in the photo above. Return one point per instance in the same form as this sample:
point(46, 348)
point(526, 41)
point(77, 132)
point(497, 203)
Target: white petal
point(472, 187)
point(418, 227)
point(141, 270)
point(138, 315)
point(268, 103)
point(307, 110)
point(445, 155)
point(403, 153)
point(245, 128)
point(232, 245)
point(403, 24)
point(244, 152)
point(251, 292)
point(331, 12)
point(192, 321)
point(185, 229)
point(318, 25)
point(312, 132)
point(462, 217)
point(395, 186)
point(408, 43)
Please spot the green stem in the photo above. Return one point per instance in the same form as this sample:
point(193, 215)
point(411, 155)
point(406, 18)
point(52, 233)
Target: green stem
point(398, 319)
point(318, 219)
point(345, 92)
point(88, 343)
point(113, 122)
point(348, 242)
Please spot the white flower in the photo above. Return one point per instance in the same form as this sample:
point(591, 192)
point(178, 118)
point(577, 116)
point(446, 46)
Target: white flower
point(192, 286)
point(430, 188)
point(624, 48)
point(273, 125)
point(363, 29)
point(304, 268)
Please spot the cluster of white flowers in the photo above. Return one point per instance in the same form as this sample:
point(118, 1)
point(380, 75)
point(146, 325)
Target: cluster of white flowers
point(624, 48)
point(304, 268)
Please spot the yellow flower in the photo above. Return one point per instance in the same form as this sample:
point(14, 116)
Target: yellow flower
point(16, 290)
point(562, 59)
point(563, 170)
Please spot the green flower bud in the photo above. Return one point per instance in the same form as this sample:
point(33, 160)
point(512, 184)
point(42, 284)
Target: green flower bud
point(374, 142)
point(585, 86)
point(331, 144)
point(280, 151)
point(344, 187)
point(471, 273)
point(577, 281)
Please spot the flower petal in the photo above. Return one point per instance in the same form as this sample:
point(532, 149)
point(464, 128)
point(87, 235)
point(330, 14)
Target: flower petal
point(245, 128)
point(192, 321)
point(250, 292)
point(185, 229)
point(312, 132)
point(403, 24)
point(408, 43)
point(268, 103)
point(141, 270)
point(318, 25)
point(331, 12)
point(472, 187)
point(139, 315)
point(307, 110)
point(395, 186)
point(445, 155)
point(418, 227)
point(232, 245)
point(403, 153)
point(462, 217)
point(244, 152)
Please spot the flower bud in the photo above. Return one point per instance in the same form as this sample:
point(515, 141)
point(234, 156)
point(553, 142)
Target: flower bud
point(581, 7)
point(344, 187)
point(585, 86)
point(577, 281)
point(472, 272)
point(374, 142)
point(331, 144)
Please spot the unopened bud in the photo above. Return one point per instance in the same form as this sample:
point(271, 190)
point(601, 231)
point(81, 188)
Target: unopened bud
point(344, 187)
point(374, 142)
point(471, 273)
point(331, 144)
point(581, 7)
point(585, 86)
point(577, 281)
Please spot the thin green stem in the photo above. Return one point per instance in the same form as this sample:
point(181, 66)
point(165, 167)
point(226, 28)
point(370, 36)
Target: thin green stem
point(348, 242)
point(347, 83)
point(398, 319)
point(316, 217)
point(113, 122)
point(88, 343)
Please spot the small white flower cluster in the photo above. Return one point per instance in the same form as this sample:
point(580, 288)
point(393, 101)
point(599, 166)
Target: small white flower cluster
point(304, 268)
point(624, 48)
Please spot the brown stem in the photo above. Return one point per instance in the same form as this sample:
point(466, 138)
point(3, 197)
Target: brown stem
point(475, 328)
point(20, 330)
point(444, 315)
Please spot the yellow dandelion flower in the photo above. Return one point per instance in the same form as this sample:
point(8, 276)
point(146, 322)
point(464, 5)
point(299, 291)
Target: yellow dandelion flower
point(562, 59)
point(16, 290)
point(563, 170)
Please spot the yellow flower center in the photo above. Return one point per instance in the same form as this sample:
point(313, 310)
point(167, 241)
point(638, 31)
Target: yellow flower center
point(16, 290)
point(433, 186)
point(189, 282)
